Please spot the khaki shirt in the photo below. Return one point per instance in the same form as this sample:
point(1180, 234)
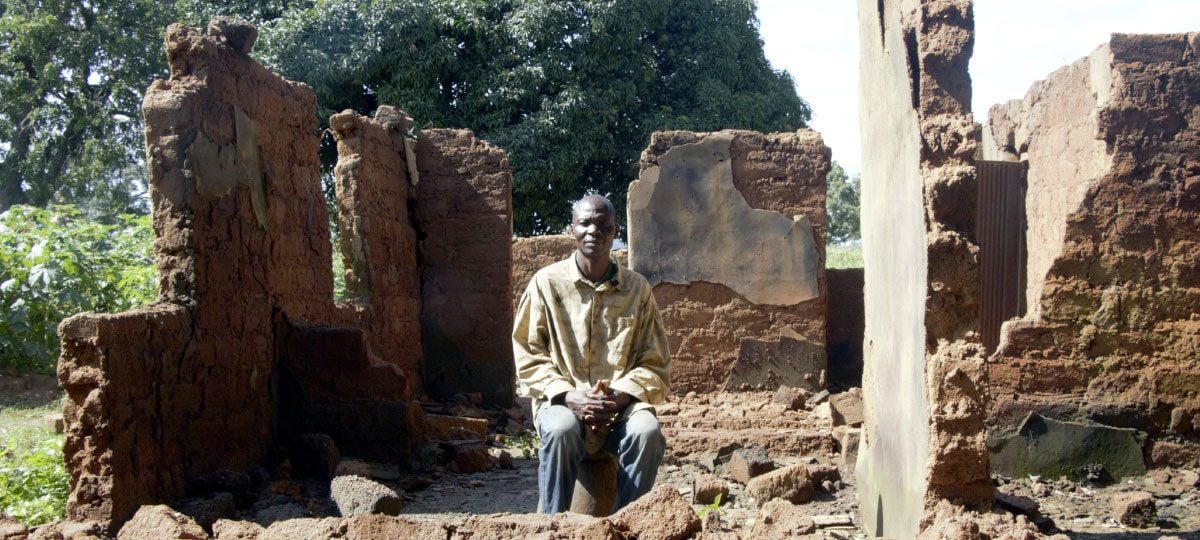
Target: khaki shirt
point(569, 333)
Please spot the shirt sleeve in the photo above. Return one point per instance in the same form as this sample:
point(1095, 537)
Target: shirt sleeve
point(531, 347)
point(649, 379)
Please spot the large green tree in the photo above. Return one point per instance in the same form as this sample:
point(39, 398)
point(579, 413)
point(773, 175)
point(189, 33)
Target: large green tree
point(571, 89)
point(842, 205)
point(72, 75)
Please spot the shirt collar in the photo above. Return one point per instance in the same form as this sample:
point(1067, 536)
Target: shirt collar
point(577, 276)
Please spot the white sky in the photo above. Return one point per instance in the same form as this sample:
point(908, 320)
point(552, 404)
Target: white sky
point(1017, 42)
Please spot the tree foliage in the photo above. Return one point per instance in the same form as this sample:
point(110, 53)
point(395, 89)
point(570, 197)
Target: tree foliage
point(842, 206)
point(72, 76)
point(55, 263)
point(571, 89)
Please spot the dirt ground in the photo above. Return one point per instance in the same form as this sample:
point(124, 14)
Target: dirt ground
point(697, 427)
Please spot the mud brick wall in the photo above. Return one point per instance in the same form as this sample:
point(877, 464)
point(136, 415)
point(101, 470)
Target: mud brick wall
point(160, 396)
point(1115, 334)
point(378, 238)
point(924, 381)
point(844, 325)
point(464, 213)
point(773, 239)
point(536, 252)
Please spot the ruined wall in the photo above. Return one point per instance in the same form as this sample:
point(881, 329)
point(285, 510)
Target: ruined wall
point(161, 395)
point(924, 382)
point(1054, 130)
point(464, 212)
point(378, 239)
point(533, 253)
point(844, 325)
point(729, 228)
point(1116, 336)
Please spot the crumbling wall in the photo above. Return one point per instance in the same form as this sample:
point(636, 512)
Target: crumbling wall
point(160, 396)
point(924, 383)
point(378, 239)
point(729, 228)
point(1116, 336)
point(464, 212)
point(532, 254)
point(245, 350)
point(1054, 130)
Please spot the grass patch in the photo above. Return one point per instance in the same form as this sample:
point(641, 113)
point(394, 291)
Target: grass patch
point(843, 256)
point(33, 479)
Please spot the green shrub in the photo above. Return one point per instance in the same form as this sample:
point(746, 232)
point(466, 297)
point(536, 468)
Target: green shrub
point(844, 256)
point(54, 263)
point(34, 482)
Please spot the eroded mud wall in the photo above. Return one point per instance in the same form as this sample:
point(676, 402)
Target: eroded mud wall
point(464, 213)
point(923, 377)
point(378, 239)
point(1054, 130)
point(1116, 337)
point(159, 396)
point(729, 228)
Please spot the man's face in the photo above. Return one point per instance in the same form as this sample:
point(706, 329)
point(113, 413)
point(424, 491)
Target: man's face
point(593, 228)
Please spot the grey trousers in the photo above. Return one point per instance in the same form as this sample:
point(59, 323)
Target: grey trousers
point(637, 443)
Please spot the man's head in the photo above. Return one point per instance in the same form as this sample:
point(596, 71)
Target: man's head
point(593, 226)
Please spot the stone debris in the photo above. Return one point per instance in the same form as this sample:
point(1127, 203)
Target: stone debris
point(280, 511)
point(1049, 448)
point(706, 488)
point(448, 428)
point(661, 514)
point(225, 529)
point(793, 484)
point(12, 530)
point(303, 529)
point(793, 399)
point(833, 520)
point(355, 495)
point(781, 519)
point(1135, 509)
point(158, 522)
point(208, 509)
point(747, 463)
point(846, 408)
point(353, 467)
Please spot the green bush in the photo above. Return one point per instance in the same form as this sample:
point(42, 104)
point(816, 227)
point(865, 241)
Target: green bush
point(54, 262)
point(34, 482)
point(844, 256)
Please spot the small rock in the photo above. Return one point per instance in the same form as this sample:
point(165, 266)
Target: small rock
point(304, 529)
point(711, 521)
point(1039, 489)
point(53, 422)
point(781, 519)
point(1017, 504)
point(226, 529)
point(747, 463)
point(159, 521)
point(660, 514)
point(818, 398)
point(706, 488)
point(846, 408)
point(792, 399)
point(235, 482)
point(1135, 509)
point(471, 458)
point(824, 473)
point(355, 495)
point(827, 486)
point(208, 509)
point(833, 520)
point(282, 512)
point(354, 467)
point(505, 461)
point(789, 483)
point(314, 454)
point(12, 530)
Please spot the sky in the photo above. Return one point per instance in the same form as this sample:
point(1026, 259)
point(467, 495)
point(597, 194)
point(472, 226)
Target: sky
point(1017, 42)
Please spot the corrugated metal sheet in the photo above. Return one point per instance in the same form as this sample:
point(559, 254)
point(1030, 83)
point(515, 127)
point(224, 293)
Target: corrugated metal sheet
point(1001, 235)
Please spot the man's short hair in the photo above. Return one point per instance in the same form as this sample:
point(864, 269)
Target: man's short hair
point(575, 206)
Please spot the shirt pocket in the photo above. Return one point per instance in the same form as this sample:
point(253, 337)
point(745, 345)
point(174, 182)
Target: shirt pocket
point(620, 342)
